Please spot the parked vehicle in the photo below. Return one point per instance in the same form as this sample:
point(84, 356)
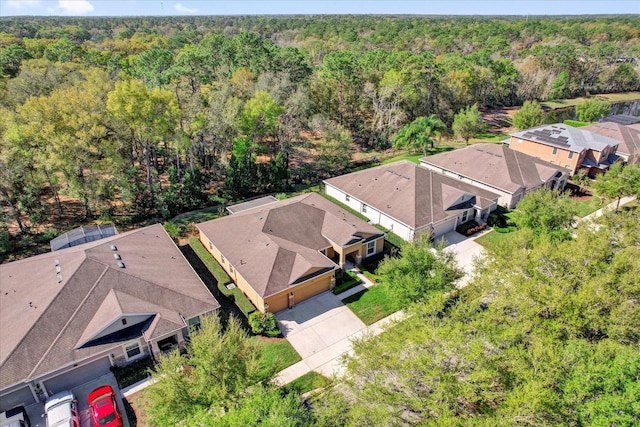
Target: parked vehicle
point(104, 407)
point(16, 417)
point(61, 409)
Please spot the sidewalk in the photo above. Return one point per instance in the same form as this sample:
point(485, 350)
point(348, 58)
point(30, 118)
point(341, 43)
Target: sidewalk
point(610, 207)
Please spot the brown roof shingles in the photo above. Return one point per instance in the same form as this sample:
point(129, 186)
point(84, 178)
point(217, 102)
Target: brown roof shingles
point(496, 165)
point(276, 245)
point(627, 136)
point(411, 194)
point(155, 271)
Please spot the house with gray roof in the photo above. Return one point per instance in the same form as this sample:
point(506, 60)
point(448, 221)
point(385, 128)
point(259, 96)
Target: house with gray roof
point(282, 253)
point(411, 200)
point(572, 148)
point(627, 136)
point(67, 317)
point(499, 169)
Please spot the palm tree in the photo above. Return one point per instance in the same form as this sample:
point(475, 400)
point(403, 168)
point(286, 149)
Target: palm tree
point(420, 133)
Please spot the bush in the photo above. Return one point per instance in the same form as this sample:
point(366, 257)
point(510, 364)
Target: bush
point(264, 324)
point(132, 373)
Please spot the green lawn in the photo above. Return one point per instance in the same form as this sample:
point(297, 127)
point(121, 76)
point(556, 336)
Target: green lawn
point(590, 205)
point(492, 239)
point(277, 354)
point(307, 382)
point(372, 304)
point(221, 277)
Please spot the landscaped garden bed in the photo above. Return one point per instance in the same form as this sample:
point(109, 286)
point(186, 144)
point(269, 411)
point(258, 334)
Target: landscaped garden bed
point(349, 280)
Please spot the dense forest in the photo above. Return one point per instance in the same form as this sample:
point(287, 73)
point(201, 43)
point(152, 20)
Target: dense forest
point(126, 119)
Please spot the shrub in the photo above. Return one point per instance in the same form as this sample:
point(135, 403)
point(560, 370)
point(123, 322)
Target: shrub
point(264, 324)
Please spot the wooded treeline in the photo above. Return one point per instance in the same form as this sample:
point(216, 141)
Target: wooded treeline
point(147, 117)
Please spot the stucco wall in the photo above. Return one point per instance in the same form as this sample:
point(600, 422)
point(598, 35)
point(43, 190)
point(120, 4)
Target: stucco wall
point(545, 152)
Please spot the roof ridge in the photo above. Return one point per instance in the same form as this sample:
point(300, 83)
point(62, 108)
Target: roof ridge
point(63, 329)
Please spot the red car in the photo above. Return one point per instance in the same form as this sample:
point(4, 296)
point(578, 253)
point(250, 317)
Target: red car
point(103, 407)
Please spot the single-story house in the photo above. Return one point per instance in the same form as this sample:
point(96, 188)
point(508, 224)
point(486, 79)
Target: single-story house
point(410, 200)
point(627, 137)
point(67, 317)
point(499, 169)
point(282, 253)
point(563, 145)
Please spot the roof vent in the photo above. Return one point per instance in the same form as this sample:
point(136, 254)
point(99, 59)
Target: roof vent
point(116, 256)
point(114, 248)
point(58, 269)
point(120, 264)
point(59, 276)
point(56, 262)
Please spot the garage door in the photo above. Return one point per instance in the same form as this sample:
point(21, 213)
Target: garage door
point(444, 227)
point(78, 376)
point(22, 396)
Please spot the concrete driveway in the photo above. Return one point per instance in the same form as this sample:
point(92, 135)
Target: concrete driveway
point(465, 250)
point(320, 329)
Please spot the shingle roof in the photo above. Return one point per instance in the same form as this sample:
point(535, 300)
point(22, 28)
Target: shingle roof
point(623, 119)
point(42, 321)
point(409, 193)
point(496, 165)
point(627, 136)
point(566, 137)
point(277, 245)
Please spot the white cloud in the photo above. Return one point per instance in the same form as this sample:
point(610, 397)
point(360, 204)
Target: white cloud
point(75, 7)
point(184, 9)
point(19, 4)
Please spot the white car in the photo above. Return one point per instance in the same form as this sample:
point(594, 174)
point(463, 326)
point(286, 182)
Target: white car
point(61, 410)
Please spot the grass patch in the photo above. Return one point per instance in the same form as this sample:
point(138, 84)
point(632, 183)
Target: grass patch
point(200, 215)
point(415, 157)
point(492, 239)
point(221, 277)
point(350, 281)
point(576, 123)
point(277, 354)
point(590, 205)
point(495, 137)
point(372, 304)
point(309, 381)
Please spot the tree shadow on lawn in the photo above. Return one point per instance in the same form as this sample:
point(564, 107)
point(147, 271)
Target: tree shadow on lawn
point(227, 305)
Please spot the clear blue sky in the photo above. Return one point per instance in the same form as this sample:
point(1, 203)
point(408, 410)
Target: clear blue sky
point(266, 7)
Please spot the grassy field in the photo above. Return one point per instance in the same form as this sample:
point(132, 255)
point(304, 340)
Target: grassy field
point(277, 354)
point(590, 205)
point(307, 382)
point(372, 304)
point(492, 239)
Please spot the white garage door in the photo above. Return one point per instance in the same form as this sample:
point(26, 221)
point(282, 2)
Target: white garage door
point(445, 227)
point(78, 376)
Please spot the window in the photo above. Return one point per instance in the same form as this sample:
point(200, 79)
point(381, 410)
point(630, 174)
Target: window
point(567, 166)
point(210, 245)
point(222, 259)
point(571, 154)
point(519, 140)
point(132, 350)
point(347, 198)
point(371, 247)
point(364, 208)
point(464, 216)
point(231, 269)
point(124, 321)
point(555, 150)
point(194, 323)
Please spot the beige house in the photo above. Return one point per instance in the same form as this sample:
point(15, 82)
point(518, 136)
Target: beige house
point(627, 136)
point(67, 317)
point(499, 169)
point(572, 148)
point(411, 200)
point(282, 253)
